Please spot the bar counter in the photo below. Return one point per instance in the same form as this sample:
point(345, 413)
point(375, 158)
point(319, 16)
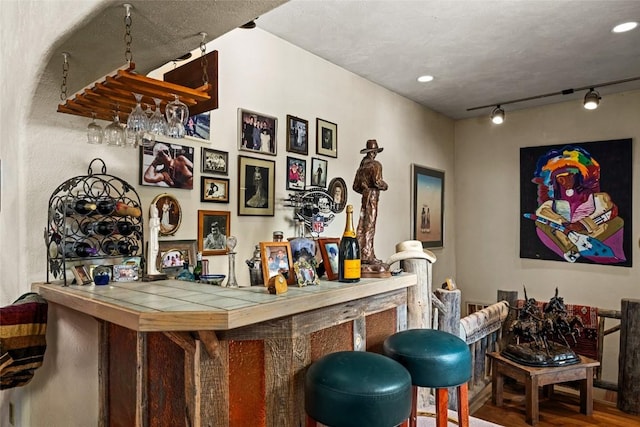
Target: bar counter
point(181, 353)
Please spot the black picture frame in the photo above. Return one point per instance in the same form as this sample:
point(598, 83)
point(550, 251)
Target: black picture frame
point(427, 222)
point(318, 172)
point(247, 139)
point(326, 138)
point(256, 186)
point(297, 135)
point(214, 161)
point(296, 173)
point(214, 190)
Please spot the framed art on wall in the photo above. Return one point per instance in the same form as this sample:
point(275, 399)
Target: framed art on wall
point(319, 172)
point(338, 190)
point(213, 230)
point(214, 190)
point(326, 138)
point(198, 127)
point(428, 206)
point(257, 132)
point(296, 173)
point(167, 164)
point(170, 213)
point(214, 161)
point(297, 135)
point(256, 186)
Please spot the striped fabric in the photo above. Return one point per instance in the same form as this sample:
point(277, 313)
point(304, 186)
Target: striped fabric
point(23, 325)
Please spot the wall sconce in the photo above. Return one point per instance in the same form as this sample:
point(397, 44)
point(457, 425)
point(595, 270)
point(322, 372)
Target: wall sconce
point(591, 100)
point(497, 115)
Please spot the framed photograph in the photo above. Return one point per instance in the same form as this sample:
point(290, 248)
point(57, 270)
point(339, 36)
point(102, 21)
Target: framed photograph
point(213, 230)
point(256, 186)
point(276, 258)
point(329, 252)
point(214, 161)
point(326, 138)
point(319, 172)
point(305, 273)
point(170, 213)
point(173, 253)
point(82, 275)
point(297, 135)
point(167, 164)
point(428, 206)
point(214, 190)
point(257, 132)
point(338, 190)
point(198, 127)
point(296, 173)
point(125, 273)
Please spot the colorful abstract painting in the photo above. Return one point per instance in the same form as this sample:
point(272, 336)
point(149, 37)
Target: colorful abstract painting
point(575, 202)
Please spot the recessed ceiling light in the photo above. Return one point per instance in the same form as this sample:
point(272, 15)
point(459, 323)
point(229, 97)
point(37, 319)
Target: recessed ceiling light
point(425, 78)
point(624, 27)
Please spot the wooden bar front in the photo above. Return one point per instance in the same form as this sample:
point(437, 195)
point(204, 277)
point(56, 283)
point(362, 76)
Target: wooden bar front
point(179, 353)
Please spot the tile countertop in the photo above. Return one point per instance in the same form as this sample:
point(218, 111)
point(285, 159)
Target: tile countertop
point(173, 305)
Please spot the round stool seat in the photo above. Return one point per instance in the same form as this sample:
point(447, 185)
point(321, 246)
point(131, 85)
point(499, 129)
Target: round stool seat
point(357, 388)
point(434, 358)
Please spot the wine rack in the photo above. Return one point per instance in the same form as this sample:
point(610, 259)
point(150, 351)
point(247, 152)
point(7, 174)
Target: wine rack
point(92, 217)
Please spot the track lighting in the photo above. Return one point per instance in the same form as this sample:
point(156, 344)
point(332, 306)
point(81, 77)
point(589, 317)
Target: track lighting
point(497, 115)
point(591, 100)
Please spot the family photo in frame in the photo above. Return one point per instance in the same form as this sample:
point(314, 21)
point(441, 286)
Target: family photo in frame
point(214, 161)
point(172, 255)
point(276, 259)
point(257, 132)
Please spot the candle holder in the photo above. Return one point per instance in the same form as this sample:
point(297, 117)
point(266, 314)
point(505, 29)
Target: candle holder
point(231, 245)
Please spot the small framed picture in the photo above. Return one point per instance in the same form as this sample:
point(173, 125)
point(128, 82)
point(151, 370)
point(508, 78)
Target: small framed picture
point(257, 132)
point(167, 164)
point(326, 138)
point(214, 190)
point(428, 206)
point(297, 135)
point(319, 172)
point(338, 191)
point(82, 275)
point(296, 173)
point(173, 253)
point(213, 230)
point(214, 161)
point(198, 127)
point(305, 273)
point(256, 186)
point(329, 252)
point(170, 213)
point(276, 258)
point(125, 273)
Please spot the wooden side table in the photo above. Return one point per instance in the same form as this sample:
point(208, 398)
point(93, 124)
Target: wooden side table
point(534, 377)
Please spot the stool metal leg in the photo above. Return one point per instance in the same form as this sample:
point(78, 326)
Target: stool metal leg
point(413, 418)
point(463, 405)
point(442, 407)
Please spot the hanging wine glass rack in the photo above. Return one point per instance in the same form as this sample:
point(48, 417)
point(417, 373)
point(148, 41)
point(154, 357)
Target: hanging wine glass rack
point(114, 92)
point(93, 217)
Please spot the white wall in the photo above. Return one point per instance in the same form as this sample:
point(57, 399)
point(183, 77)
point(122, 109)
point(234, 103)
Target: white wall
point(487, 199)
point(40, 149)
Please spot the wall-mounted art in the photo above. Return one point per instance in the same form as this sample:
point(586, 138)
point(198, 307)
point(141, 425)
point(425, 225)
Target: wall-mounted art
point(297, 135)
point(257, 132)
point(319, 172)
point(256, 186)
point(326, 138)
point(198, 127)
point(428, 206)
point(213, 230)
point(214, 161)
point(214, 190)
point(170, 213)
point(167, 164)
point(296, 173)
point(575, 202)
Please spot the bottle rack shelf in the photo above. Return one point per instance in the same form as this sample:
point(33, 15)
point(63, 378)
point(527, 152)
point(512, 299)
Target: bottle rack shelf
point(93, 217)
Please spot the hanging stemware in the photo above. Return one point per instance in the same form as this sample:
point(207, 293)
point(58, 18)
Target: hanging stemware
point(114, 133)
point(177, 114)
point(137, 123)
point(157, 122)
point(95, 133)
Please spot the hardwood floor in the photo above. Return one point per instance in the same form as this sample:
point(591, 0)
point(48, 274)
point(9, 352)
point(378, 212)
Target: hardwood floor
point(561, 410)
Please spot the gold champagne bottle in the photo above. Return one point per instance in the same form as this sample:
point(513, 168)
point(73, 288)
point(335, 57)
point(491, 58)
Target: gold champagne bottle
point(349, 252)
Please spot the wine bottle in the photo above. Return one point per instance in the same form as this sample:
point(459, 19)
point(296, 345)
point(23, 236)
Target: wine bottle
point(105, 206)
point(104, 228)
point(349, 252)
point(125, 228)
point(109, 247)
point(84, 250)
point(122, 209)
point(126, 248)
point(197, 270)
point(80, 206)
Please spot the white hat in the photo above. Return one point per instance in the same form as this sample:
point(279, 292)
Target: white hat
point(411, 249)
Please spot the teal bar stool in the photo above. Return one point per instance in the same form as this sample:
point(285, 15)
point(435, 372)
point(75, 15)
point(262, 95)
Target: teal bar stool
point(357, 389)
point(438, 360)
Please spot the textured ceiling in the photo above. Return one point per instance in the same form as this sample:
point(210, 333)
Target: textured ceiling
point(480, 52)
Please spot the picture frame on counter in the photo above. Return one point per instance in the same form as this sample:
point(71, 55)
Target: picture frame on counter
point(214, 190)
point(256, 186)
point(213, 229)
point(167, 164)
point(257, 132)
point(173, 253)
point(329, 248)
point(170, 213)
point(318, 172)
point(214, 161)
point(198, 127)
point(296, 173)
point(125, 273)
point(276, 259)
point(305, 273)
point(297, 135)
point(82, 275)
point(326, 138)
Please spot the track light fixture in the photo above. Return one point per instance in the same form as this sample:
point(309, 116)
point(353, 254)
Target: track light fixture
point(591, 100)
point(497, 115)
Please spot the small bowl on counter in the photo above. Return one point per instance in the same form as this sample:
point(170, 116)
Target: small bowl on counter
point(212, 279)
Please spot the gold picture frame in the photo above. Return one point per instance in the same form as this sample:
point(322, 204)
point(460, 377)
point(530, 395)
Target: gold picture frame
point(173, 253)
point(170, 213)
